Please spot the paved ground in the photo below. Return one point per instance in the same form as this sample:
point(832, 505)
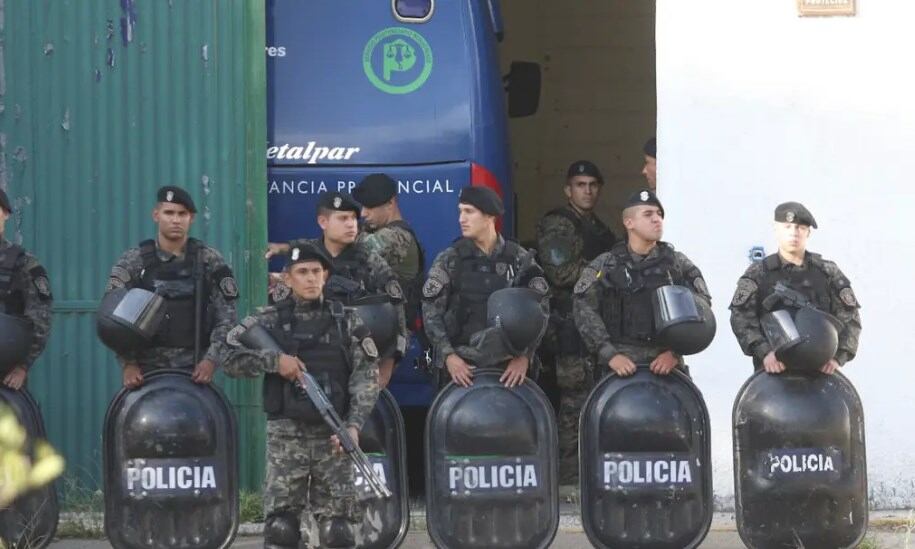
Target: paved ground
point(564, 540)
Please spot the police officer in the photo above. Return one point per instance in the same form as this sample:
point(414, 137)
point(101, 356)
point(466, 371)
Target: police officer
point(337, 217)
point(170, 265)
point(650, 167)
point(24, 293)
point(612, 298)
point(464, 275)
point(387, 234)
point(568, 238)
point(819, 280)
point(309, 481)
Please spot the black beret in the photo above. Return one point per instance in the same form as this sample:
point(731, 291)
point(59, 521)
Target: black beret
point(794, 212)
point(651, 148)
point(308, 252)
point(375, 190)
point(176, 195)
point(584, 167)
point(484, 199)
point(644, 198)
point(5, 202)
point(341, 202)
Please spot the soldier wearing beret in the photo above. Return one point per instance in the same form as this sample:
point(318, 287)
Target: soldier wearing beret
point(338, 218)
point(568, 238)
point(819, 280)
point(25, 293)
point(612, 298)
point(309, 494)
point(169, 265)
point(461, 279)
point(390, 236)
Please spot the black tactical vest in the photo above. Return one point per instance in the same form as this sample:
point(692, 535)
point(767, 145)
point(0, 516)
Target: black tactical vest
point(596, 237)
point(413, 289)
point(12, 300)
point(475, 278)
point(353, 263)
point(626, 306)
point(175, 281)
point(811, 282)
point(320, 344)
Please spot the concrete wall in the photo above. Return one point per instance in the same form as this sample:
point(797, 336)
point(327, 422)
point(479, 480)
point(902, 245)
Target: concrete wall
point(598, 98)
point(757, 106)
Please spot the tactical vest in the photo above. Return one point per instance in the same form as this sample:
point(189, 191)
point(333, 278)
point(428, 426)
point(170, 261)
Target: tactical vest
point(320, 344)
point(812, 282)
point(626, 306)
point(596, 237)
point(12, 300)
point(175, 281)
point(475, 278)
point(352, 263)
point(413, 288)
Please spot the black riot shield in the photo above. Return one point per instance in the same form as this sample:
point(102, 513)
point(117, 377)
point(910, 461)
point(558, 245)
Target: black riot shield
point(384, 442)
point(491, 466)
point(646, 480)
point(799, 465)
point(170, 465)
point(31, 520)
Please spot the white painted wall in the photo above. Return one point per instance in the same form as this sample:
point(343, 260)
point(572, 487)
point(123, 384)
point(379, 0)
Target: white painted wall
point(757, 106)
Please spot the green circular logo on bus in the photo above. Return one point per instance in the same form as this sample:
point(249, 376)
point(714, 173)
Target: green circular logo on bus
point(397, 60)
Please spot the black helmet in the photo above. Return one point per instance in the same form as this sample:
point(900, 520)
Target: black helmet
point(380, 316)
point(683, 323)
point(127, 320)
point(15, 340)
point(517, 312)
point(804, 341)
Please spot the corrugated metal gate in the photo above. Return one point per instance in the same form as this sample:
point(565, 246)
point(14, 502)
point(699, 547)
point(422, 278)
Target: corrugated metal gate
point(101, 102)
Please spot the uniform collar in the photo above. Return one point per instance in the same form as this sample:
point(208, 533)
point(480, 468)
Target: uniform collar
point(303, 306)
point(165, 256)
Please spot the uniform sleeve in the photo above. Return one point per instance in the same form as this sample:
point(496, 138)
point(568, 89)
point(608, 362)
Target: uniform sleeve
point(384, 280)
point(845, 307)
point(363, 380)
point(239, 361)
point(223, 297)
point(744, 320)
point(389, 243)
point(560, 251)
point(693, 278)
point(38, 303)
point(125, 274)
point(436, 294)
point(586, 311)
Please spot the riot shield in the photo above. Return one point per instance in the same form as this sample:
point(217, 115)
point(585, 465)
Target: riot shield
point(170, 465)
point(31, 520)
point(384, 441)
point(800, 473)
point(491, 466)
point(645, 448)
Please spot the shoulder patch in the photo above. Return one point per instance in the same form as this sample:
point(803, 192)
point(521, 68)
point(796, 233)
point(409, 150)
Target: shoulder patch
point(699, 284)
point(745, 289)
point(437, 280)
point(539, 284)
point(279, 292)
point(847, 295)
point(229, 287)
point(232, 336)
point(588, 277)
point(368, 345)
point(393, 289)
point(41, 282)
point(120, 273)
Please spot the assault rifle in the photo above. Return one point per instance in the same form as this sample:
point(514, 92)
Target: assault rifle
point(256, 337)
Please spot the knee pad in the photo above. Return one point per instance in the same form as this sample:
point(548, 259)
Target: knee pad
point(337, 532)
point(281, 531)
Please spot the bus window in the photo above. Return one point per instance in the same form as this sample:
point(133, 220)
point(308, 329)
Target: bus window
point(413, 11)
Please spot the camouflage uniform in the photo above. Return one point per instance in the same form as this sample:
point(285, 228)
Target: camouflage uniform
point(441, 306)
point(305, 478)
point(397, 245)
point(357, 262)
point(598, 278)
point(820, 280)
point(219, 285)
point(29, 294)
point(567, 241)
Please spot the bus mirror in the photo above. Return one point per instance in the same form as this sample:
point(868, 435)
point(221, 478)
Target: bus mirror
point(523, 86)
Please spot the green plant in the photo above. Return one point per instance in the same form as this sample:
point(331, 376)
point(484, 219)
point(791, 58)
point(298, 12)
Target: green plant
point(76, 497)
point(869, 542)
point(250, 506)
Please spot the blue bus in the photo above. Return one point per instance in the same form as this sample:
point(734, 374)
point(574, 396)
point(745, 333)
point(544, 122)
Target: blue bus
point(411, 88)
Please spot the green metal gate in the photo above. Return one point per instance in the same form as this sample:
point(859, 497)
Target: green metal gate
point(101, 102)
